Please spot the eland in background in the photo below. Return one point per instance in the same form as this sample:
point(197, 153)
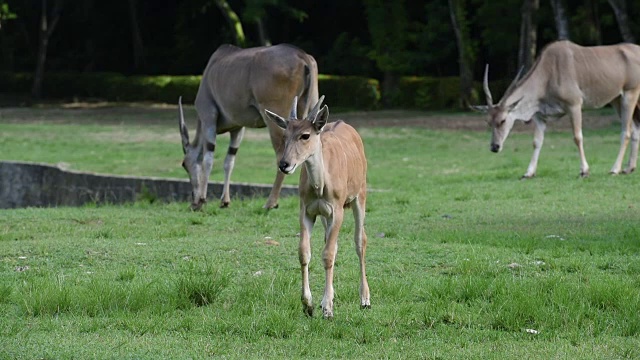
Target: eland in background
point(565, 79)
point(236, 87)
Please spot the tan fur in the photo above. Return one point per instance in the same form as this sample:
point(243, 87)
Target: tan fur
point(565, 79)
point(237, 86)
point(333, 177)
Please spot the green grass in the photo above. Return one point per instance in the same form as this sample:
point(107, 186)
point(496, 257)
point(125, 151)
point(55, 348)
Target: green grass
point(463, 260)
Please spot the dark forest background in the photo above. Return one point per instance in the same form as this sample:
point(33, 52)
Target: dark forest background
point(372, 38)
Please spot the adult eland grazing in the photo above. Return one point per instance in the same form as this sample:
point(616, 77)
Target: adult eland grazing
point(236, 87)
point(565, 79)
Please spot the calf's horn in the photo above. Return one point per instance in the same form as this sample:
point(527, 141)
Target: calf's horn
point(314, 112)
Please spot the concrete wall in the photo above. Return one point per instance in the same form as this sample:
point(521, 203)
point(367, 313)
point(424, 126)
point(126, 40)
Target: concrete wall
point(41, 185)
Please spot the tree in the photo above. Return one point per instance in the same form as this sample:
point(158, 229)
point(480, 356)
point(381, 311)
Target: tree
point(255, 12)
point(45, 30)
point(465, 50)
point(387, 23)
point(5, 13)
point(234, 22)
point(620, 10)
point(560, 17)
point(528, 34)
point(136, 36)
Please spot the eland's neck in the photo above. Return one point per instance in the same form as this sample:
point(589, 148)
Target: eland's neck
point(528, 100)
point(315, 171)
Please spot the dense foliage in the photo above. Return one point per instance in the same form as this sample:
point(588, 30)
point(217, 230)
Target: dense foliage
point(348, 37)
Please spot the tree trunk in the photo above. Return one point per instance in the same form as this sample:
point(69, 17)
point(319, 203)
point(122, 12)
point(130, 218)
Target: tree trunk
point(560, 17)
point(262, 33)
point(136, 37)
point(596, 32)
point(233, 20)
point(620, 10)
point(45, 32)
point(464, 51)
point(528, 34)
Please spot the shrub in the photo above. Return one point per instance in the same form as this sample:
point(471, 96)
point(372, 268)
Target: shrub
point(351, 92)
point(427, 93)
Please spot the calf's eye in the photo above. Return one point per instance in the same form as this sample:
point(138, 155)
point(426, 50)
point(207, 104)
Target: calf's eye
point(304, 136)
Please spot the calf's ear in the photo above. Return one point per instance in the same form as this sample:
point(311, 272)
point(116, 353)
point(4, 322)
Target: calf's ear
point(277, 119)
point(321, 119)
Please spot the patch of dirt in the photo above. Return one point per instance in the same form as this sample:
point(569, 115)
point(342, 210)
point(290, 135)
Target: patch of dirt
point(167, 114)
point(459, 121)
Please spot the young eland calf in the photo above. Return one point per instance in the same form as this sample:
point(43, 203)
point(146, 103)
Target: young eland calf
point(333, 177)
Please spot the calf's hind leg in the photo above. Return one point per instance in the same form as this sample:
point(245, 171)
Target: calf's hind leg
point(360, 239)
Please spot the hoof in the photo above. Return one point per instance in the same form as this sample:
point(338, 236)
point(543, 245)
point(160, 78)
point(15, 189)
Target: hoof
point(196, 207)
point(628, 171)
point(327, 315)
point(584, 174)
point(224, 204)
point(267, 207)
point(365, 306)
point(308, 310)
point(525, 176)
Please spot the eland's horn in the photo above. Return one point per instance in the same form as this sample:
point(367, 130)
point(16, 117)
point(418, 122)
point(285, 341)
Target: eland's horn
point(184, 133)
point(294, 109)
point(314, 112)
point(514, 82)
point(485, 86)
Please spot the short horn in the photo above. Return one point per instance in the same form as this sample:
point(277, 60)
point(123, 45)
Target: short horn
point(314, 112)
point(485, 86)
point(184, 133)
point(294, 109)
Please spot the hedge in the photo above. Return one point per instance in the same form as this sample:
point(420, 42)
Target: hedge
point(350, 92)
point(426, 93)
point(342, 92)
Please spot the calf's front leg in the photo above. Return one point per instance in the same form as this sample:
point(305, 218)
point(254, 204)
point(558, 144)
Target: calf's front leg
point(304, 255)
point(333, 225)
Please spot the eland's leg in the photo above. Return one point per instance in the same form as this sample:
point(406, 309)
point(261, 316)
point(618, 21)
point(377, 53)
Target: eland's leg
point(277, 141)
point(575, 112)
point(635, 140)
point(360, 239)
point(208, 114)
point(229, 162)
point(304, 255)
point(329, 257)
point(274, 195)
point(628, 102)
point(538, 139)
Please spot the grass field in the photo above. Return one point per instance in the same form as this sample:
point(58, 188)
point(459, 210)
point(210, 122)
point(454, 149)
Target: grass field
point(464, 261)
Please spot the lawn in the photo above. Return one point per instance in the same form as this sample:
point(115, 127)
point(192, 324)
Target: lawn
point(464, 259)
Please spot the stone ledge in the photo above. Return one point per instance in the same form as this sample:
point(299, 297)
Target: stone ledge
point(25, 184)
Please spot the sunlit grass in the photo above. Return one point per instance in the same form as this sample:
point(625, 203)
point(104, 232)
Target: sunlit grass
point(464, 259)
